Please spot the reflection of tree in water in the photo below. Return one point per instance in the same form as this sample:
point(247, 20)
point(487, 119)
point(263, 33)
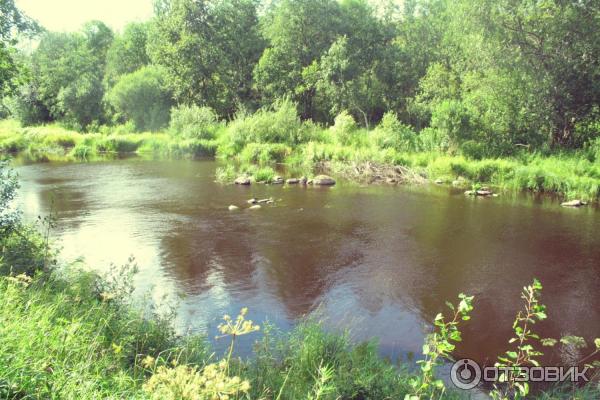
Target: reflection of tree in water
point(294, 253)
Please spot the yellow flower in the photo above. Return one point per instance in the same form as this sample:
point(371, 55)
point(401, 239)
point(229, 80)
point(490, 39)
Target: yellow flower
point(148, 361)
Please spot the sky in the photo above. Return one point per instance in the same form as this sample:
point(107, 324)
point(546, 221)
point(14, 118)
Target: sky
point(70, 15)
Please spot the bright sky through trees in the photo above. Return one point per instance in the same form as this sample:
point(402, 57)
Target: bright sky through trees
point(69, 15)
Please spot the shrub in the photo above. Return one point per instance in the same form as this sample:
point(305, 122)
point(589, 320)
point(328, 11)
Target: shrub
point(193, 122)
point(143, 97)
point(278, 125)
point(453, 120)
point(391, 133)
point(472, 149)
point(27, 107)
point(344, 128)
point(193, 148)
point(264, 153)
point(225, 174)
point(431, 139)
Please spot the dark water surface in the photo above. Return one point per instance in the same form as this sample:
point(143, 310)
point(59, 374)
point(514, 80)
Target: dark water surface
point(378, 260)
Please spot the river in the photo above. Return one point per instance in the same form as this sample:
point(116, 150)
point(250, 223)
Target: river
point(378, 260)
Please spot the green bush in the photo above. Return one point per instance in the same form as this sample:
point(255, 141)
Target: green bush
point(143, 97)
point(264, 153)
point(431, 139)
point(392, 134)
point(193, 122)
point(278, 125)
point(472, 149)
point(344, 129)
point(454, 120)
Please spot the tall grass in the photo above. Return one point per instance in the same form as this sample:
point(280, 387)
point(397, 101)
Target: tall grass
point(277, 136)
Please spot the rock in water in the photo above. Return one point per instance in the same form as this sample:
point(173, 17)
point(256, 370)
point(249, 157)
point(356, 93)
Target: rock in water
point(292, 181)
point(233, 208)
point(573, 203)
point(303, 180)
point(252, 201)
point(255, 207)
point(483, 192)
point(269, 200)
point(278, 180)
point(439, 181)
point(323, 180)
point(242, 180)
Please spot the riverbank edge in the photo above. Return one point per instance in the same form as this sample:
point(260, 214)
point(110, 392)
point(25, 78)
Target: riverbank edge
point(569, 176)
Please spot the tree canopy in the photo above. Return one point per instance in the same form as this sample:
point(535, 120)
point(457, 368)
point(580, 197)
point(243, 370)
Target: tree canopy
point(504, 74)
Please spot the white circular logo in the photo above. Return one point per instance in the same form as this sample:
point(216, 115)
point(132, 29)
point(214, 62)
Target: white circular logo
point(465, 374)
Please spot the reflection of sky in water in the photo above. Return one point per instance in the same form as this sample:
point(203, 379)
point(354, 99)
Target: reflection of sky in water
point(378, 261)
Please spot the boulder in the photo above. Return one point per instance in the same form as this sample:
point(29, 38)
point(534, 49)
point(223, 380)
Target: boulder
point(255, 207)
point(303, 180)
point(480, 192)
point(278, 180)
point(233, 208)
point(293, 181)
point(269, 200)
point(323, 180)
point(574, 203)
point(252, 201)
point(242, 180)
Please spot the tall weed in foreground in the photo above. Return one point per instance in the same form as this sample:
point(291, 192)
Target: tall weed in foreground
point(213, 381)
point(438, 347)
point(526, 351)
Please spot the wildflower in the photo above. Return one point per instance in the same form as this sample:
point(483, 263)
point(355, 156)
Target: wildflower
point(21, 280)
point(107, 296)
point(148, 361)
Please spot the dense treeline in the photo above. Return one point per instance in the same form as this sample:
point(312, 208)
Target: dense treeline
point(489, 77)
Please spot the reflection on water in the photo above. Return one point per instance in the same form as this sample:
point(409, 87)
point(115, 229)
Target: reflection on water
point(380, 261)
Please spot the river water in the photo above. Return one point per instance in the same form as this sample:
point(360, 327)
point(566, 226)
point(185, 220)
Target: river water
point(380, 261)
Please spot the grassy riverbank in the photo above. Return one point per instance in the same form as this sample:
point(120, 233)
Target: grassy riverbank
point(61, 338)
point(256, 145)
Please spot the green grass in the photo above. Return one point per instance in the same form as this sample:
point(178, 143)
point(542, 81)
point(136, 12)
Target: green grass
point(73, 335)
point(52, 142)
point(248, 144)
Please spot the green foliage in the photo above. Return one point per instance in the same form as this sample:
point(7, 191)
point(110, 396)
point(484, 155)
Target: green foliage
point(393, 134)
point(278, 125)
point(438, 347)
point(264, 153)
point(208, 49)
point(525, 352)
point(68, 75)
point(13, 22)
point(127, 53)
point(143, 98)
point(344, 130)
point(193, 122)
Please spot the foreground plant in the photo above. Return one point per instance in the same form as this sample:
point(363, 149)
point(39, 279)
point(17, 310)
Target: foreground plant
point(524, 354)
point(437, 348)
point(183, 382)
point(213, 382)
